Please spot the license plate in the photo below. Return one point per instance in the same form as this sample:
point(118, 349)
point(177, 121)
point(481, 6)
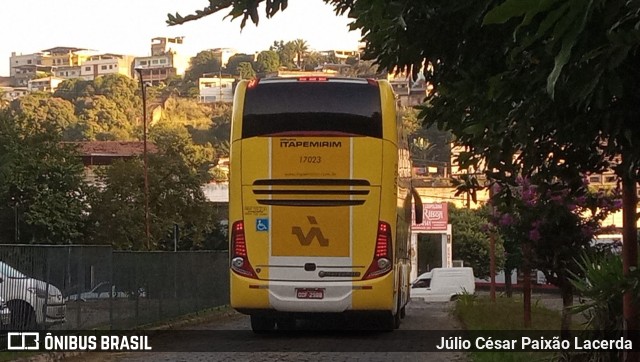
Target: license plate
point(307, 293)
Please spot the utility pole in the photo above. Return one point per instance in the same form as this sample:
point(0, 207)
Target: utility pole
point(144, 151)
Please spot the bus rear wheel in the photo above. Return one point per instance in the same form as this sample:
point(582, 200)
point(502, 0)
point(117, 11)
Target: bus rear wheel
point(262, 324)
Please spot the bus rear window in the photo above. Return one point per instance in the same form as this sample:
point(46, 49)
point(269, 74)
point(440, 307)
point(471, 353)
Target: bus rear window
point(327, 107)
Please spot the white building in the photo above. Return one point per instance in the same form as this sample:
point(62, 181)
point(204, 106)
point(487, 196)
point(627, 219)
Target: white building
point(48, 84)
point(215, 89)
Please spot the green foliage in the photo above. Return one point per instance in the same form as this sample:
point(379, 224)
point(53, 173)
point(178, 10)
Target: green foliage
point(41, 187)
point(267, 61)
point(285, 52)
point(107, 108)
point(39, 112)
point(175, 176)
point(471, 241)
point(186, 112)
point(233, 65)
point(175, 141)
point(601, 285)
point(245, 70)
point(103, 120)
point(300, 48)
point(206, 61)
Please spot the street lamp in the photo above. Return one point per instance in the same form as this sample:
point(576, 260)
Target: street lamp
point(16, 224)
point(144, 151)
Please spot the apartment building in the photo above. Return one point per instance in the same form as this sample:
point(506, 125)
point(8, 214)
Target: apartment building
point(166, 60)
point(103, 64)
point(61, 62)
point(19, 60)
point(46, 84)
point(68, 56)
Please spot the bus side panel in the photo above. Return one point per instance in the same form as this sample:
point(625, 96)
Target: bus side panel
point(241, 295)
point(256, 218)
point(382, 296)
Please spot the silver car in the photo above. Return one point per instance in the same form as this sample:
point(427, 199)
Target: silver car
point(33, 303)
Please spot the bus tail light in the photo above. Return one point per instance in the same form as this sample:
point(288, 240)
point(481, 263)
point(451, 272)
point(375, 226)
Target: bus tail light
point(239, 258)
point(383, 253)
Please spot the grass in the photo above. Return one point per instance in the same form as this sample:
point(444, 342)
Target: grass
point(479, 313)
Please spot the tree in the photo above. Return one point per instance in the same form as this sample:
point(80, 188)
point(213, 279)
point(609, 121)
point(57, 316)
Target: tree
point(553, 225)
point(267, 61)
point(285, 52)
point(42, 193)
point(521, 84)
point(175, 174)
point(300, 48)
point(234, 63)
point(206, 61)
point(471, 239)
point(102, 119)
point(37, 112)
point(245, 70)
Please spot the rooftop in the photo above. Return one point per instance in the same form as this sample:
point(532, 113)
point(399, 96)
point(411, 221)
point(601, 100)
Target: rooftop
point(114, 148)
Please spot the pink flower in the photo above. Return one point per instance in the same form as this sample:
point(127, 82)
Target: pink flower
point(617, 204)
point(506, 220)
point(534, 235)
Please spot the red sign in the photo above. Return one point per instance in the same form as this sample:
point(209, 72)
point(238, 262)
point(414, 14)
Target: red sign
point(435, 217)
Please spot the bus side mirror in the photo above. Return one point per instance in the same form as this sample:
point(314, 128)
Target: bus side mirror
point(417, 203)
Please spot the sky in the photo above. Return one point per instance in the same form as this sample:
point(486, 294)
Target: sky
point(127, 27)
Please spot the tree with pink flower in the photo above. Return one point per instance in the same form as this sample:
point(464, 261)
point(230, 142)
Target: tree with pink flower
point(553, 224)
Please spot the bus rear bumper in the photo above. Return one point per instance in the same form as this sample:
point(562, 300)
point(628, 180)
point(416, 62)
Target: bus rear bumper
point(251, 296)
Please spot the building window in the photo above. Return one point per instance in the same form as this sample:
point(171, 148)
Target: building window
point(104, 67)
point(594, 179)
point(110, 66)
point(29, 61)
point(155, 61)
point(143, 62)
point(163, 61)
point(88, 69)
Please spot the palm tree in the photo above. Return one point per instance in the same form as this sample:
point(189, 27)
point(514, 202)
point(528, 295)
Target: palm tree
point(300, 47)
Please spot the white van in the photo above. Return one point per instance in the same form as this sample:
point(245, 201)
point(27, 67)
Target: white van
point(443, 284)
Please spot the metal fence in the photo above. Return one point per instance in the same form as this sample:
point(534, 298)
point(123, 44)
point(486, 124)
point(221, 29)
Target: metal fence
point(89, 287)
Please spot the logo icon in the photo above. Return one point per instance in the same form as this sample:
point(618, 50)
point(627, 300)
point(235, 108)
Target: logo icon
point(262, 224)
point(314, 233)
point(23, 341)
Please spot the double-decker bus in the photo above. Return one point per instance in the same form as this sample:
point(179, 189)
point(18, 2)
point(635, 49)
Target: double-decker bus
point(320, 201)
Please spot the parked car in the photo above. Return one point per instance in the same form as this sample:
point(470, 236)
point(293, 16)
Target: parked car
point(5, 315)
point(33, 303)
point(106, 290)
point(443, 284)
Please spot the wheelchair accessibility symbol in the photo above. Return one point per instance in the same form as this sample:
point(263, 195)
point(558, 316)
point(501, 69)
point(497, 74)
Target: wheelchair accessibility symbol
point(262, 224)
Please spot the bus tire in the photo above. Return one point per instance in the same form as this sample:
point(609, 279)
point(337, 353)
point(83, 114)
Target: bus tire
point(386, 322)
point(397, 316)
point(262, 324)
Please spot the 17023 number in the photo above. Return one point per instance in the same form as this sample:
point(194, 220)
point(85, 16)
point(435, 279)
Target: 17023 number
point(310, 159)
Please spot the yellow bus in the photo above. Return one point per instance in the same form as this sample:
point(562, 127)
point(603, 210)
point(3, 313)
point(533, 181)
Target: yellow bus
point(320, 201)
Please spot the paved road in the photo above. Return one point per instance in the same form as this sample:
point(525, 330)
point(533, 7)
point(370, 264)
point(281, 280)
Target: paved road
point(315, 346)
